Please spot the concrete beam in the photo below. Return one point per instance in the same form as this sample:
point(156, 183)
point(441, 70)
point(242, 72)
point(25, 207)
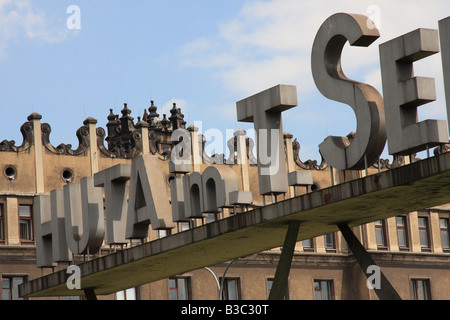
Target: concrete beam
point(405, 189)
point(280, 282)
point(386, 290)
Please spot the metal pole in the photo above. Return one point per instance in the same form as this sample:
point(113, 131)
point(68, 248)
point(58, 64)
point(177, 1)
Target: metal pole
point(223, 279)
point(215, 278)
point(220, 284)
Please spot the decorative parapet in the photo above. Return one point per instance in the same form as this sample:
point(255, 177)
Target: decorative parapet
point(27, 133)
point(66, 149)
point(125, 140)
point(309, 164)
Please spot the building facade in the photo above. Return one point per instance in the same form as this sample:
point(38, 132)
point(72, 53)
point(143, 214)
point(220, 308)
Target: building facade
point(413, 250)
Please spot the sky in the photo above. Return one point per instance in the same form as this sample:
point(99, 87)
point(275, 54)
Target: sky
point(69, 60)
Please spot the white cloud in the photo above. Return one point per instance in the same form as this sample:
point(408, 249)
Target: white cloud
point(270, 42)
point(19, 19)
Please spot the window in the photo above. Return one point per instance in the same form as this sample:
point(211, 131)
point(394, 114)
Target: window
point(308, 245)
point(323, 289)
point(423, 234)
point(26, 223)
point(179, 289)
point(380, 234)
point(2, 224)
point(231, 289)
point(420, 289)
point(129, 294)
point(269, 287)
point(402, 233)
point(210, 217)
point(162, 233)
point(329, 242)
point(445, 237)
point(69, 298)
point(185, 226)
point(10, 287)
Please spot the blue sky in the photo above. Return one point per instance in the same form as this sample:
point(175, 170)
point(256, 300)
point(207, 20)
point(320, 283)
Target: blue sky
point(203, 55)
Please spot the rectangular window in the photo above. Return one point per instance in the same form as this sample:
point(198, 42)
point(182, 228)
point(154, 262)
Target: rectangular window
point(2, 224)
point(445, 236)
point(323, 289)
point(10, 287)
point(162, 233)
point(128, 294)
point(424, 234)
point(179, 289)
point(380, 232)
point(308, 245)
point(329, 242)
point(402, 233)
point(420, 289)
point(210, 217)
point(26, 223)
point(232, 289)
point(185, 226)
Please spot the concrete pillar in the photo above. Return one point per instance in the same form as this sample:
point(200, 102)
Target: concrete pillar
point(371, 237)
point(93, 149)
point(435, 234)
point(391, 234)
point(414, 232)
point(142, 127)
point(289, 159)
point(242, 158)
point(319, 243)
point(12, 221)
point(35, 119)
point(195, 147)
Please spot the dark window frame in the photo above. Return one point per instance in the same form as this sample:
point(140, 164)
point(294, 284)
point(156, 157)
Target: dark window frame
point(225, 293)
point(426, 231)
point(403, 227)
point(330, 288)
point(29, 224)
point(445, 230)
point(415, 288)
point(380, 226)
point(176, 288)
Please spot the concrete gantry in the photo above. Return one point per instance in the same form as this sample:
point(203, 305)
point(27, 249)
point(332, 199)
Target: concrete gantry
point(398, 191)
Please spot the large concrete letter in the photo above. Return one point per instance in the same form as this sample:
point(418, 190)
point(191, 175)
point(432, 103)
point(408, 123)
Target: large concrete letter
point(366, 101)
point(193, 195)
point(177, 199)
point(61, 252)
point(114, 180)
point(218, 183)
point(42, 227)
point(403, 93)
point(264, 110)
point(444, 30)
point(149, 200)
point(85, 224)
